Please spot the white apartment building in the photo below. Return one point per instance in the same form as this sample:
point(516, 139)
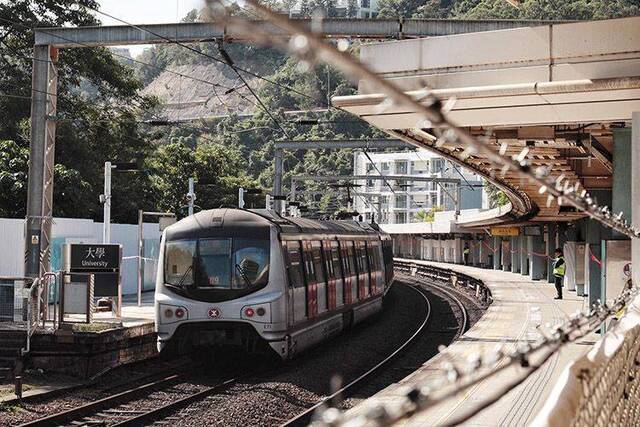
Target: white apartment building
point(363, 8)
point(402, 205)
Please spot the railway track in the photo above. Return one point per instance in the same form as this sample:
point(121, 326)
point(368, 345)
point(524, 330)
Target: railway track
point(305, 417)
point(168, 400)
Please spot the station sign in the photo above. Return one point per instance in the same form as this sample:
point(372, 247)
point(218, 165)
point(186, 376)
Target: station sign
point(103, 260)
point(94, 257)
point(505, 231)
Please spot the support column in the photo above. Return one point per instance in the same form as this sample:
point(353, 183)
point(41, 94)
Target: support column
point(515, 254)
point(552, 230)
point(595, 234)
point(635, 196)
point(524, 255)
point(497, 253)
point(622, 180)
point(506, 254)
point(44, 83)
point(536, 259)
point(277, 179)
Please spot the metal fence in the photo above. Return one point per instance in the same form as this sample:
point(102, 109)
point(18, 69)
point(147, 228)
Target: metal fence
point(13, 299)
point(445, 276)
point(602, 388)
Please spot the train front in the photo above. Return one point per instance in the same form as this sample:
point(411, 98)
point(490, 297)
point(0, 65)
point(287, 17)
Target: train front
point(219, 283)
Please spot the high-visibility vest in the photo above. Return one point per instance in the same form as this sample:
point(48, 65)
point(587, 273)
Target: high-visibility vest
point(559, 270)
point(466, 251)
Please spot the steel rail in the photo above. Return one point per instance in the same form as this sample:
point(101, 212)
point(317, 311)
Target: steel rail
point(304, 417)
point(156, 413)
point(465, 316)
point(84, 410)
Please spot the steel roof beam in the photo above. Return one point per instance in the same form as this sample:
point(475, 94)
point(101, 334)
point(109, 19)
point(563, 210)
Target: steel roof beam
point(331, 144)
point(333, 28)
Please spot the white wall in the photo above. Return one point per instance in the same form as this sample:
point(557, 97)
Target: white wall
point(76, 230)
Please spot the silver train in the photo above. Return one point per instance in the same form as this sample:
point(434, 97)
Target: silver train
point(256, 280)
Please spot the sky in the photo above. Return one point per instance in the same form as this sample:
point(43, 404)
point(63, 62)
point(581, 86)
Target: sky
point(146, 12)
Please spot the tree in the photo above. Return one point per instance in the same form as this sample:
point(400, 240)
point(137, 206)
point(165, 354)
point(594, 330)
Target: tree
point(98, 108)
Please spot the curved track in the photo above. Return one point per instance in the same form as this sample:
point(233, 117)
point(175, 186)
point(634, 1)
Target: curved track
point(164, 398)
point(306, 416)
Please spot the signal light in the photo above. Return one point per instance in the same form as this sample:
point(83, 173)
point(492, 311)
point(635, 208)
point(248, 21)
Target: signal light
point(248, 312)
point(179, 313)
point(260, 311)
point(168, 313)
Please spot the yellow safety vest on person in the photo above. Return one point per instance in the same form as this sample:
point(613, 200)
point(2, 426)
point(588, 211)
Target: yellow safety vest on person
point(559, 267)
point(466, 251)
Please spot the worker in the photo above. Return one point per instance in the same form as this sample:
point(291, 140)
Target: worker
point(559, 268)
point(465, 254)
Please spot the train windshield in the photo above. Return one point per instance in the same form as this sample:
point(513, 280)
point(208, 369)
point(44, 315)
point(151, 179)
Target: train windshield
point(224, 264)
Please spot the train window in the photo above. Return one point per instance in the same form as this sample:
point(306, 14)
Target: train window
point(178, 265)
point(214, 266)
point(317, 261)
point(296, 277)
point(308, 262)
point(328, 261)
point(251, 263)
point(352, 257)
point(335, 259)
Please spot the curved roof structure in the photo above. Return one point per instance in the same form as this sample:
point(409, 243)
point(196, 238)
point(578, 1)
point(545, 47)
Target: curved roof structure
point(538, 93)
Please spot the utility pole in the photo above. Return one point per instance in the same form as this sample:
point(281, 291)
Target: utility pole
point(191, 196)
point(106, 200)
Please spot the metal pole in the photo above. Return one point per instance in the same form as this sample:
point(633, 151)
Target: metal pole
point(241, 198)
point(277, 180)
point(35, 192)
point(140, 254)
point(191, 196)
point(106, 226)
point(267, 201)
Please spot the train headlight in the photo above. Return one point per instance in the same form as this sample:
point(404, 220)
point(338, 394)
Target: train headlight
point(172, 314)
point(256, 313)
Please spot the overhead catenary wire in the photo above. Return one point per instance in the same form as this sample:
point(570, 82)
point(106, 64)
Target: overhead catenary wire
point(307, 45)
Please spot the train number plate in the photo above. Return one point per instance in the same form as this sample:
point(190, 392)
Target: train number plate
point(213, 313)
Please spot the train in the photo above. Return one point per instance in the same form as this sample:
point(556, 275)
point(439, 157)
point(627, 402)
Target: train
point(258, 281)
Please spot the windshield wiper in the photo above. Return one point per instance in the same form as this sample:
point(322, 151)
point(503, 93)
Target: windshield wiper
point(244, 276)
point(184, 276)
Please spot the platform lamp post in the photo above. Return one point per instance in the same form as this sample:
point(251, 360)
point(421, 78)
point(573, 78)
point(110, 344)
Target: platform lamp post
point(105, 198)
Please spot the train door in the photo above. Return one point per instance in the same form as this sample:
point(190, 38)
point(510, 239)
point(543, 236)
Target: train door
point(321, 280)
point(361, 266)
point(297, 288)
point(353, 268)
point(331, 275)
point(311, 283)
point(347, 273)
point(334, 257)
point(377, 276)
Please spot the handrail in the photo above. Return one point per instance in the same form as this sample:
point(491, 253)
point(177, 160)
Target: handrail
point(35, 293)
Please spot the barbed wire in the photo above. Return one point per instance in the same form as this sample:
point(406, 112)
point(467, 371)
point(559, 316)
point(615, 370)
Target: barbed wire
point(310, 49)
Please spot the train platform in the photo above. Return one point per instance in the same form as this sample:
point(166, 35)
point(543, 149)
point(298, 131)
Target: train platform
point(520, 305)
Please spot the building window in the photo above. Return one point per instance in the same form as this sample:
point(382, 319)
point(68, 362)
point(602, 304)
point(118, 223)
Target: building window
point(400, 217)
point(365, 3)
point(370, 183)
point(437, 165)
point(369, 167)
point(401, 201)
point(401, 167)
point(385, 167)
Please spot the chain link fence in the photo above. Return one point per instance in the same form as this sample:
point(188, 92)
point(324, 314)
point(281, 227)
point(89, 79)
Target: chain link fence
point(602, 388)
